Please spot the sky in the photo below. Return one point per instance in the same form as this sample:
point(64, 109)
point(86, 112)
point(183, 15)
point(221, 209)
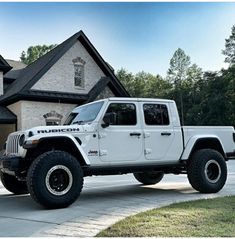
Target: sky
point(135, 36)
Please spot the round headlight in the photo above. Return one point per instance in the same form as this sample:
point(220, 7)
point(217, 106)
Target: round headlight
point(21, 140)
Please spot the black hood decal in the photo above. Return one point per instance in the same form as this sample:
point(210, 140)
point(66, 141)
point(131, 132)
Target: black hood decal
point(43, 131)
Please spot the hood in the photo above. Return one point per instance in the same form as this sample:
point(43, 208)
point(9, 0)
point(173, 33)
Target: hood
point(61, 129)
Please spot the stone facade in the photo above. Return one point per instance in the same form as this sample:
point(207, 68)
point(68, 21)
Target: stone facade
point(30, 113)
point(1, 83)
point(76, 71)
point(106, 93)
point(60, 77)
point(16, 109)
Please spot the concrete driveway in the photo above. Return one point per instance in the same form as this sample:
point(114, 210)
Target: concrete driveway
point(104, 200)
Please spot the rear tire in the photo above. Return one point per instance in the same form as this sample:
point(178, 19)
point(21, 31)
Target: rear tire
point(55, 179)
point(12, 184)
point(207, 171)
point(149, 178)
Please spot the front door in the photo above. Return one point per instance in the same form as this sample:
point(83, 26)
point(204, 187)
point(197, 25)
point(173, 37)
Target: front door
point(122, 140)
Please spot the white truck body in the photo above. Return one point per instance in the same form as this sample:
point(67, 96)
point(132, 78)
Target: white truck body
point(121, 135)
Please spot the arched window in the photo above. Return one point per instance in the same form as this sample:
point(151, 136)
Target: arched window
point(53, 118)
point(79, 72)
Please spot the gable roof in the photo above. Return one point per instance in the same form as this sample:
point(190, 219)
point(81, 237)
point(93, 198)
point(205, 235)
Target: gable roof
point(14, 73)
point(4, 66)
point(16, 65)
point(21, 88)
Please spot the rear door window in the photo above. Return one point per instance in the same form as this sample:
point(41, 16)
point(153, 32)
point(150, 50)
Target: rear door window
point(156, 114)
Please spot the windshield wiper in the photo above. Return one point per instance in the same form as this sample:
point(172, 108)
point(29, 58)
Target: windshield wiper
point(79, 122)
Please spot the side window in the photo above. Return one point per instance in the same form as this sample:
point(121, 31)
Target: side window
point(156, 114)
point(79, 75)
point(124, 113)
point(79, 72)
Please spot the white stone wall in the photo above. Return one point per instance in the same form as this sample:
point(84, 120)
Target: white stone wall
point(30, 113)
point(106, 93)
point(1, 83)
point(16, 108)
point(60, 77)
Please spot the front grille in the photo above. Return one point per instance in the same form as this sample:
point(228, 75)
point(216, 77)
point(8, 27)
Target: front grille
point(13, 144)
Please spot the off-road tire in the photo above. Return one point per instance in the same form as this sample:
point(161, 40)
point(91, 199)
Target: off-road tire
point(12, 184)
point(149, 178)
point(51, 171)
point(207, 171)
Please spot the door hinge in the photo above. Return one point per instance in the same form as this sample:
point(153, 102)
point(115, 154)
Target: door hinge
point(147, 151)
point(146, 135)
point(103, 152)
point(102, 135)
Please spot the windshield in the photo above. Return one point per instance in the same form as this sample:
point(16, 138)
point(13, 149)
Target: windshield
point(84, 114)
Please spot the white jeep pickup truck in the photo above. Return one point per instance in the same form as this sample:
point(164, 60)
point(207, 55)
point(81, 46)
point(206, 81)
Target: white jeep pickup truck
point(114, 136)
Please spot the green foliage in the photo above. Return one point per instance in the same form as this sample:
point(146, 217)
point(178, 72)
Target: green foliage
point(144, 84)
point(229, 51)
point(184, 78)
point(179, 65)
point(34, 52)
point(208, 98)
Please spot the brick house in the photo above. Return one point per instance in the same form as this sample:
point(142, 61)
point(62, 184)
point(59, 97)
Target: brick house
point(44, 92)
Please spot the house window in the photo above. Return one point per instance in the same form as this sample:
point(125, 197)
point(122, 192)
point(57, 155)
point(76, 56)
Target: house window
point(79, 72)
point(53, 118)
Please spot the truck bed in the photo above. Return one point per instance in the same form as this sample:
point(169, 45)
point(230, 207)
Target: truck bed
point(225, 134)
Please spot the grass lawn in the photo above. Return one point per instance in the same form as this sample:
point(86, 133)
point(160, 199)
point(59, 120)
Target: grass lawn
point(202, 218)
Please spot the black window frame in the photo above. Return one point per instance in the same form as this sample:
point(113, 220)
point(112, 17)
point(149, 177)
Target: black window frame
point(79, 79)
point(160, 104)
point(135, 108)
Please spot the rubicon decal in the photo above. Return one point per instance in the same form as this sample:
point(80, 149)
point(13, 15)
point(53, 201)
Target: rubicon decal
point(43, 131)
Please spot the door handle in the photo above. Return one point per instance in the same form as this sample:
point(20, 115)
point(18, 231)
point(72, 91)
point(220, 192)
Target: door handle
point(165, 133)
point(135, 134)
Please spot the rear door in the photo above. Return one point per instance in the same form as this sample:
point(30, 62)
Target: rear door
point(158, 131)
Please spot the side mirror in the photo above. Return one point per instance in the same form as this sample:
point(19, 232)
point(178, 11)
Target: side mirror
point(109, 119)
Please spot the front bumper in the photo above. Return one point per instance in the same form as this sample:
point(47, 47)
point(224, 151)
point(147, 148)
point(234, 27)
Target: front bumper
point(9, 163)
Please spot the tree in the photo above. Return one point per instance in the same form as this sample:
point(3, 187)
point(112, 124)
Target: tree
point(191, 90)
point(179, 64)
point(157, 87)
point(176, 74)
point(127, 79)
point(229, 51)
point(144, 84)
point(34, 52)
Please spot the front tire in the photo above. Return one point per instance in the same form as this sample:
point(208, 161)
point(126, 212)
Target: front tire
point(149, 178)
point(207, 171)
point(12, 184)
point(55, 179)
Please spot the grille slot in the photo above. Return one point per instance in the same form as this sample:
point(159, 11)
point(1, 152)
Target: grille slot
point(13, 144)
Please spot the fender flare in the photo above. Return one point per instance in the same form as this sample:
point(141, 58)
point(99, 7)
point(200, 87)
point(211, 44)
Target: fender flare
point(194, 140)
point(33, 141)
